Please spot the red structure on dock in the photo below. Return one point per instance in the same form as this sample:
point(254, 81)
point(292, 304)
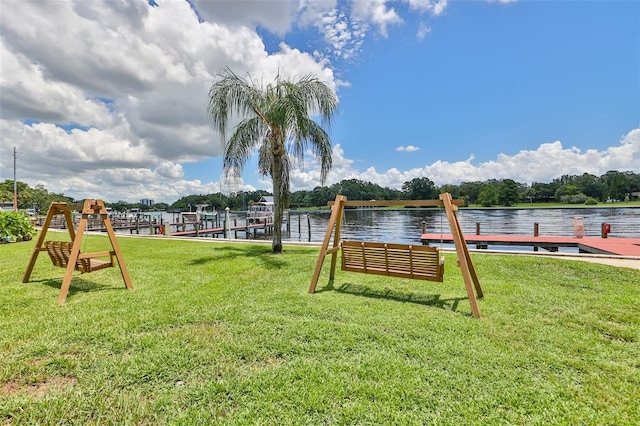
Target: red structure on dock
point(594, 245)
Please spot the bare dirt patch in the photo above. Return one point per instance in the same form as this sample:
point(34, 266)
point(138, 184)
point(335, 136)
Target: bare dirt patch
point(36, 390)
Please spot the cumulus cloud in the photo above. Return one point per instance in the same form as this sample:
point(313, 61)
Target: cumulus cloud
point(378, 13)
point(434, 7)
point(275, 16)
point(547, 162)
point(170, 170)
point(110, 97)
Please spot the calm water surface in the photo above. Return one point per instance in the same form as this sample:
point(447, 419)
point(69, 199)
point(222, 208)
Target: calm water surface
point(405, 226)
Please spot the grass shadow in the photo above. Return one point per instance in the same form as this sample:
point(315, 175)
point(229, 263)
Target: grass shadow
point(267, 256)
point(434, 300)
point(78, 285)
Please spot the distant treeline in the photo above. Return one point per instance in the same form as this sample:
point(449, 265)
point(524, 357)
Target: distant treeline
point(571, 189)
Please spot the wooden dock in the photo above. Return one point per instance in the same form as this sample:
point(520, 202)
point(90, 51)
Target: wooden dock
point(221, 230)
point(594, 245)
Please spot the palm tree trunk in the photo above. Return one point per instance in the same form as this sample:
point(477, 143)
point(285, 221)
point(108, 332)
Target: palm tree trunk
point(278, 206)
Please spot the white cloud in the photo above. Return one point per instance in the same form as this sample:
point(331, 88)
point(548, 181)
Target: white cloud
point(275, 16)
point(342, 32)
point(434, 7)
point(547, 162)
point(170, 170)
point(408, 148)
point(344, 25)
point(377, 12)
point(423, 31)
point(110, 97)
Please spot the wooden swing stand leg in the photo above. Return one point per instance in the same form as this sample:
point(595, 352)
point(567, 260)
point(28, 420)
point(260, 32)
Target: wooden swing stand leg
point(67, 254)
point(397, 260)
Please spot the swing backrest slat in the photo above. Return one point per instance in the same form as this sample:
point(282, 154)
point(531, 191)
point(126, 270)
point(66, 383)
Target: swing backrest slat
point(60, 251)
point(396, 260)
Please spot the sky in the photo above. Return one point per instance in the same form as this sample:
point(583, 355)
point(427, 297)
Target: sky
point(108, 99)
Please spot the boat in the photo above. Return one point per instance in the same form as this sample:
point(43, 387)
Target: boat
point(134, 213)
point(261, 211)
point(199, 215)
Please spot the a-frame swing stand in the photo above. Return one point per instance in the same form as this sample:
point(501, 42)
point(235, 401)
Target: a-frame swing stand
point(397, 260)
point(67, 254)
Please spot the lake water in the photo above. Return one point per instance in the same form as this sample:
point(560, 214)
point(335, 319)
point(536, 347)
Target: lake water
point(405, 226)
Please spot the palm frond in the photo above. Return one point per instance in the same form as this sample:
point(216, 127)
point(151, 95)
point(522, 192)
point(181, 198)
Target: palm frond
point(229, 95)
point(318, 98)
point(320, 144)
point(238, 149)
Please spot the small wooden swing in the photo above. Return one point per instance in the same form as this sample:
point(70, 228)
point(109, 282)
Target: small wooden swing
point(67, 254)
point(397, 260)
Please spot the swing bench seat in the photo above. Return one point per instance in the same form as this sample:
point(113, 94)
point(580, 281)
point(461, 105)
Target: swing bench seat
point(395, 260)
point(60, 252)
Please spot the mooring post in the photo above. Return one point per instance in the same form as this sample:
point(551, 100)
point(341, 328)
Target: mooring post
point(477, 228)
point(227, 224)
point(288, 224)
point(535, 234)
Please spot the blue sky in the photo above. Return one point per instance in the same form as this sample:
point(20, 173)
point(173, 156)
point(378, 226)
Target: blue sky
point(492, 79)
point(453, 91)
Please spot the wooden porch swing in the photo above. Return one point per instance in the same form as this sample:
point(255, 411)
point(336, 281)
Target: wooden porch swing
point(66, 254)
point(397, 260)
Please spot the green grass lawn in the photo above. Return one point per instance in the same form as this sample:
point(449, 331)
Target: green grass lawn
point(228, 334)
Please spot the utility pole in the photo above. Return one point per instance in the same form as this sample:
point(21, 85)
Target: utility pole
point(15, 185)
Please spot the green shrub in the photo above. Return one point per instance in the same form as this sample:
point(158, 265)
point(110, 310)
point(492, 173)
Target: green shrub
point(591, 202)
point(16, 225)
point(574, 199)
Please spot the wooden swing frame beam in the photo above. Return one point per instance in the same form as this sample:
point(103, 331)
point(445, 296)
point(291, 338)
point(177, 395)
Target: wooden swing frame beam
point(90, 207)
point(450, 206)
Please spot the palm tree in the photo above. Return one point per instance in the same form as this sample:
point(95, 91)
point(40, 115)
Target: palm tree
point(275, 120)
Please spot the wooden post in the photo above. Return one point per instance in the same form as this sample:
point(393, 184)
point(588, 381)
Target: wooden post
point(227, 223)
point(53, 210)
point(334, 221)
point(466, 265)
